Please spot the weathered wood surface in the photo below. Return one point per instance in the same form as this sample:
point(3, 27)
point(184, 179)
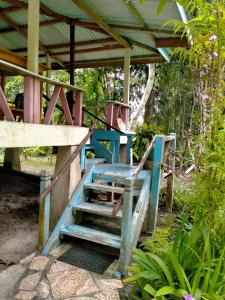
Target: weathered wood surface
point(92, 235)
point(97, 209)
point(44, 212)
point(13, 134)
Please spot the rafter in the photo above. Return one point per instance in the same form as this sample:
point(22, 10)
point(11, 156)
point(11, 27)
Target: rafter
point(114, 62)
point(171, 42)
point(66, 45)
point(43, 23)
point(88, 50)
point(102, 24)
point(133, 10)
point(93, 25)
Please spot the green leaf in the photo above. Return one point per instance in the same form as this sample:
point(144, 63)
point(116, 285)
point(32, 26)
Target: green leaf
point(148, 288)
point(161, 6)
point(166, 290)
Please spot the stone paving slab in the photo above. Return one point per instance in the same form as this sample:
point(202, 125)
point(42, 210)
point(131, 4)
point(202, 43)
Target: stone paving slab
point(30, 282)
point(39, 263)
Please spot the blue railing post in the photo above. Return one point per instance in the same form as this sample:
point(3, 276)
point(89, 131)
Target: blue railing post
point(44, 211)
point(155, 181)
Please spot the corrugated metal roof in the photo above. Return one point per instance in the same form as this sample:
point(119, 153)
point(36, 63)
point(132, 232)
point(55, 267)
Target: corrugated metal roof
point(111, 11)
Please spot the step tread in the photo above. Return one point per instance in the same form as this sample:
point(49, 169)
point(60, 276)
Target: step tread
point(102, 187)
point(89, 147)
point(93, 235)
point(95, 160)
point(98, 209)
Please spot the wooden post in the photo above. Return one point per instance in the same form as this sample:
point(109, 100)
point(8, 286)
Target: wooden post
point(48, 74)
point(126, 90)
point(170, 178)
point(72, 53)
point(66, 185)
point(156, 178)
point(77, 108)
point(125, 250)
point(44, 211)
point(31, 85)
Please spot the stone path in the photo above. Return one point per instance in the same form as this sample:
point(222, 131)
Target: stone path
point(44, 277)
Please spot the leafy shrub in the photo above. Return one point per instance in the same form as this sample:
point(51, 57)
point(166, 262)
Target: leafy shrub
point(190, 266)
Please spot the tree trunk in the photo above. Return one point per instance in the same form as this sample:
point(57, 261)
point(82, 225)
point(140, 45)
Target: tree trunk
point(139, 112)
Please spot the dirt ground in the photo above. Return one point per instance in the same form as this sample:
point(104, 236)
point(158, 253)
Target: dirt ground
point(18, 216)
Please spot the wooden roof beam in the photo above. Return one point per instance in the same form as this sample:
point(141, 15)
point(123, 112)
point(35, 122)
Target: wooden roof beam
point(102, 24)
point(66, 45)
point(43, 23)
point(137, 16)
point(88, 50)
point(171, 42)
point(93, 25)
point(119, 62)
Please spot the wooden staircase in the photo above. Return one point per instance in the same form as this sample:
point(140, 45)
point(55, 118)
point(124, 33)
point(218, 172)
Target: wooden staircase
point(132, 197)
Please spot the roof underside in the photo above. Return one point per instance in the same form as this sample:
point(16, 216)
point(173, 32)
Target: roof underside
point(136, 22)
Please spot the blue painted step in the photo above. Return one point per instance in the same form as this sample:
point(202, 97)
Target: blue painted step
point(92, 235)
point(94, 161)
point(97, 209)
point(102, 187)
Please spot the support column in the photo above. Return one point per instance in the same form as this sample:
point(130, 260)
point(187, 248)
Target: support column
point(126, 89)
point(48, 74)
point(32, 101)
point(66, 185)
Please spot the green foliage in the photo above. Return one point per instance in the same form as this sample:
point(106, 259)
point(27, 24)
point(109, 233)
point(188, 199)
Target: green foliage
point(143, 136)
point(191, 264)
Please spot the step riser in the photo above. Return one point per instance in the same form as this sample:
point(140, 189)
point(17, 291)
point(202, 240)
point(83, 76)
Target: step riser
point(92, 235)
point(100, 210)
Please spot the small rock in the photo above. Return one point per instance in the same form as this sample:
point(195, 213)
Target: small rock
point(43, 289)
point(39, 263)
point(30, 282)
point(24, 295)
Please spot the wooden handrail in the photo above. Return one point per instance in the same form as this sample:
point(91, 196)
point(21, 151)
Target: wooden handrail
point(25, 72)
point(144, 158)
point(66, 165)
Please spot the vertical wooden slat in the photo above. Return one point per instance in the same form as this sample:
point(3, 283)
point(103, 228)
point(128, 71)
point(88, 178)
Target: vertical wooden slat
point(155, 184)
point(28, 99)
point(125, 250)
point(51, 105)
point(77, 108)
point(170, 178)
point(110, 107)
point(44, 211)
point(125, 113)
point(37, 102)
point(65, 107)
point(5, 108)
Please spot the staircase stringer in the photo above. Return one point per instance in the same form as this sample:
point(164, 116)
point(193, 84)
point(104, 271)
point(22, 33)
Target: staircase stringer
point(67, 217)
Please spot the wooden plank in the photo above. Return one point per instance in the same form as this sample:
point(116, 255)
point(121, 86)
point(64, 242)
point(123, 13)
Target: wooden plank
point(65, 107)
point(170, 42)
point(91, 13)
point(28, 99)
point(44, 211)
point(92, 235)
point(97, 209)
point(141, 210)
point(14, 134)
point(170, 178)
point(126, 88)
point(77, 108)
point(126, 230)
point(106, 188)
point(52, 104)
point(156, 177)
point(5, 108)
point(21, 71)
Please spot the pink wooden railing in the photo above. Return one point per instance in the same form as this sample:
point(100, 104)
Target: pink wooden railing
point(32, 98)
point(117, 110)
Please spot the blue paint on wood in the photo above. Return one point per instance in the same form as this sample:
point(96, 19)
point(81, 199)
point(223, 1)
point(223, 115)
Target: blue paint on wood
point(92, 235)
point(156, 177)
